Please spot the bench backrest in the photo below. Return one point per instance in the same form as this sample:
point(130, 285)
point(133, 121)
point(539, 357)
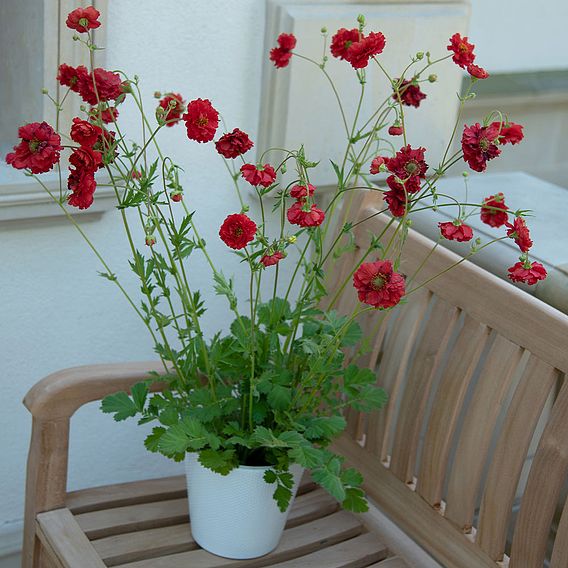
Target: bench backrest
point(474, 370)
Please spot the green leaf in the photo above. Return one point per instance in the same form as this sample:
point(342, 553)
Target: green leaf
point(222, 462)
point(351, 477)
point(369, 397)
point(139, 393)
point(282, 495)
point(280, 397)
point(352, 335)
point(307, 456)
point(324, 427)
point(187, 434)
point(264, 437)
point(119, 404)
point(270, 476)
point(355, 500)
point(355, 376)
point(152, 440)
point(330, 481)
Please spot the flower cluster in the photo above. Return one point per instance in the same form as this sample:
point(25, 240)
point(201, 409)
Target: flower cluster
point(282, 54)
point(38, 150)
point(464, 57)
point(304, 212)
point(355, 47)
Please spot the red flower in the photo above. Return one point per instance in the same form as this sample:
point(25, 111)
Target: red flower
point(396, 201)
point(376, 164)
point(237, 231)
point(176, 196)
point(282, 54)
point(301, 191)
point(456, 231)
point(477, 72)
point(174, 106)
point(408, 165)
point(305, 215)
point(234, 144)
point(494, 211)
point(272, 259)
point(83, 19)
point(410, 94)
point(479, 145)
point(510, 133)
point(85, 133)
point(360, 52)
point(258, 175)
point(410, 185)
point(107, 115)
point(135, 174)
point(39, 149)
point(462, 49)
point(377, 284)
point(520, 233)
point(86, 159)
point(201, 120)
point(108, 86)
point(82, 185)
point(106, 145)
point(69, 76)
point(342, 41)
point(527, 272)
point(396, 130)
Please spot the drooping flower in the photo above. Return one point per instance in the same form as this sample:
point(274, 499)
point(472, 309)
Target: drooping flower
point(410, 93)
point(82, 185)
point(494, 211)
point(69, 76)
point(201, 120)
point(39, 149)
point(272, 259)
point(396, 130)
point(479, 145)
point(282, 54)
point(85, 133)
point(361, 51)
point(410, 185)
point(101, 85)
point(477, 72)
point(409, 165)
point(234, 144)
point(305, 215)
point(520, 233)
point(173, 107)
point(376, 164)
point(86, 159)
point(258, 175)
point(396, 201)
point(378, 285)
point(456, 230)
point(302, 191)
point(83, 19)
point(509, 133)
point(237, 231)
point(107, 115)
point(528, 272)
point(462, 50)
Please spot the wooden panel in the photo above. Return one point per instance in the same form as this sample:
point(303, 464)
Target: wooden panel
point(143, 544)
point(392, 370)
point(560, 552)
point(411, 513)
point(478, 427)
point(391, 563)
point(546, 478)
point(427, 358)
point(59, 531)
point(446, 409)
point(510, 455)
point(354, 553)
point(121, 494)
point(295, 542)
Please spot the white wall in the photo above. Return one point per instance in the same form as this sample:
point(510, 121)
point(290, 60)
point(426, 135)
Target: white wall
point(520, 35)
point(54, 311)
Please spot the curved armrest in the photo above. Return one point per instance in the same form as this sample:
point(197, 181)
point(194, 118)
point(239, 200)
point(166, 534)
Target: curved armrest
point(60, 394)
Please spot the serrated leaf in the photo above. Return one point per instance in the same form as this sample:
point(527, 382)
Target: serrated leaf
point(119, 404)
point(352, 335)
point(355, 500)
point(352, 477)
point(222, 462)
point(369, 397)
point(139, 392)
point(307, 456)
point(324, 427)
point(270, 476)
point(152, 440)
point(280, 397)
point(330, 481)
point(187, 434)
point(282, 495)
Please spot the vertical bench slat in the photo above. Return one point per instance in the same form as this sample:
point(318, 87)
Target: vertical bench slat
point(546, 478)
point(392, 370)
point(428, 355)
point(510, 454)
point(560, 552)
point(447, 407)
point(478, 427)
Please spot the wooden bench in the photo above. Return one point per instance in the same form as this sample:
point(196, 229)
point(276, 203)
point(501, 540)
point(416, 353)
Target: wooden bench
point(474, 368)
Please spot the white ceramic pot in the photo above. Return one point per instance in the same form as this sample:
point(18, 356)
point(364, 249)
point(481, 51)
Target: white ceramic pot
point(235, 515)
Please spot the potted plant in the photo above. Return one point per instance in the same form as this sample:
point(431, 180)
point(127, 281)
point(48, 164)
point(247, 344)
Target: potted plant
point(251, 407)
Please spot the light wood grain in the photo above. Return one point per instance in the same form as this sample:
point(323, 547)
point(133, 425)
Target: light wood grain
point(559, 557)
point(510, 454)
point(446, 409)
point(546, 478)
point(429, 353)
point(478, 427)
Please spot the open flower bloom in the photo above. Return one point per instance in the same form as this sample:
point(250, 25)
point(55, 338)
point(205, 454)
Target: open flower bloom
point(258, 175)
point(456, 231)
point(410, 94)
point(305, 215)
point(83, 19)
point(520, 233)
point(201, 120)
point(462, 50)
point(237, 231)
point(282, 54)
point(234, 144)
point(356, 48)
point(528, 272)
point(378, 285)
point(479, 145)
point(494, 211)
point(272, 259)
point(39, 149)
